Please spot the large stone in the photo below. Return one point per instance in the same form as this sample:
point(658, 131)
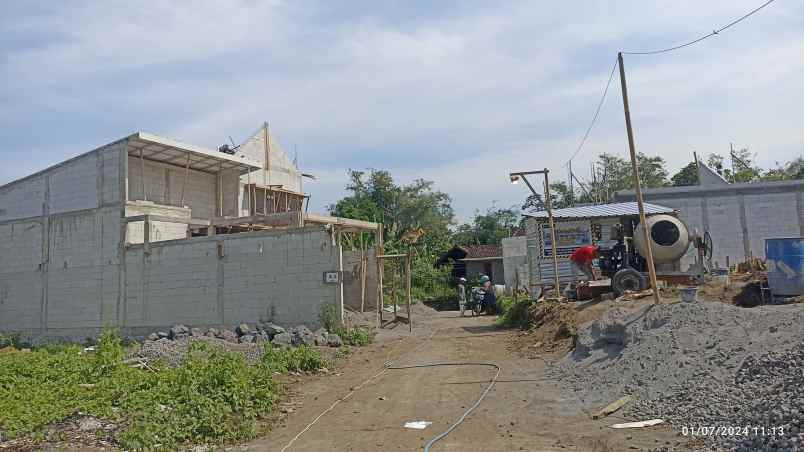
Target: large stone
point(153, 337)
point(178, 331)
point(261, 338)
point(247, 339)
point(282, 340)
point(333, 340)
point(272, 329)
point(301, 335)
point(321, 338)
point(213, 332)
point(196, 332)
point(162, 335)
point(243, 329)
point(228, 335)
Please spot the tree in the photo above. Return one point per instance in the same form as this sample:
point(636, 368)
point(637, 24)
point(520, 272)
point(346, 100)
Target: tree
point(613, 173)
point(488, 228)
point(743, 169)
point(560, 197)
point(375, 197)
point(790, 170)
point(686, 176)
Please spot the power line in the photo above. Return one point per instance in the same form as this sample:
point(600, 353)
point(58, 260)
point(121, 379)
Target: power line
point(597, 113)
point(713, 33)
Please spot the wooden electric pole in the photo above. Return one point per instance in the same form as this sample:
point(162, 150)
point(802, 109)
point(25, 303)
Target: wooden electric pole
point(637, 188)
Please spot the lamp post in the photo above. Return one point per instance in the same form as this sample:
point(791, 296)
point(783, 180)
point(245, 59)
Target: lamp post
point(515, 177)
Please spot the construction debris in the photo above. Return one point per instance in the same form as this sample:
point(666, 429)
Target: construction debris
point(639, 424)
point(612, 407)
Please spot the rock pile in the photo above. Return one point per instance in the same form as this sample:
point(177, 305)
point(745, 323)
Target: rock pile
point(258, 334)
point(171, 346)
point(697, 365)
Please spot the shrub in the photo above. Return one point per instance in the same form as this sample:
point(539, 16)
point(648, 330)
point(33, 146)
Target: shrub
point(329, 316)
point(291, 360)
point(514, 313)
point(357, 336)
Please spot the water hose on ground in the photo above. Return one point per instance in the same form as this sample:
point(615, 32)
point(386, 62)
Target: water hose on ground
point(389, 366)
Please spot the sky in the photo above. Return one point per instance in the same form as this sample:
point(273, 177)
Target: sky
point(457, 92)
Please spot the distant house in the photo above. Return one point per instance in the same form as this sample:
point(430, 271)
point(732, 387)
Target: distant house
point(471, 261)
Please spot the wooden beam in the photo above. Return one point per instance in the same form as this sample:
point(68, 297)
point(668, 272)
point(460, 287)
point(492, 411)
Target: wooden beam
point(313, 218)
point(282, 219)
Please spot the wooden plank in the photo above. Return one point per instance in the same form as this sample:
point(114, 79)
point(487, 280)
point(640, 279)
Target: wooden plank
point(612, 407)
point(282, 219)
point(313, 218)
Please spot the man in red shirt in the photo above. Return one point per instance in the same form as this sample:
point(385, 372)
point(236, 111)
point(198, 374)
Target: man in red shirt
point(582, 260)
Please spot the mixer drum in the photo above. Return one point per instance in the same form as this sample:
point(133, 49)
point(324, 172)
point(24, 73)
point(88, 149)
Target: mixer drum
point(669, 238)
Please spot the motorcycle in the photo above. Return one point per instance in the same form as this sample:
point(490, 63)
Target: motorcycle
point(476, 302)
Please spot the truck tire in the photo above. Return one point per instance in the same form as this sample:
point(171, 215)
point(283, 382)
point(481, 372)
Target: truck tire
point(628, 279)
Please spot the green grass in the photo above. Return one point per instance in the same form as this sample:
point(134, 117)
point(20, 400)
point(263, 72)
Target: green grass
point(214, 397)
point(356, 336)
point(513, 314)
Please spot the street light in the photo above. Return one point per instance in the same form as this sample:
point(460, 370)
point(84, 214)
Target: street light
point(515, 179)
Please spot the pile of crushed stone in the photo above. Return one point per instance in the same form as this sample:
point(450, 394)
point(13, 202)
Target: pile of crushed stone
point(695, 364)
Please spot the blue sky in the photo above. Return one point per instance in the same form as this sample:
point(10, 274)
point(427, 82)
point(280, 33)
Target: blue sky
point(459, 93)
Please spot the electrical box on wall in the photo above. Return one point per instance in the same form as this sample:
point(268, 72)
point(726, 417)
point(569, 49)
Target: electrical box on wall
point(331, 277)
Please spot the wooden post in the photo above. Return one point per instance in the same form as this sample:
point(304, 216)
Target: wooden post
point(363, 267)
point(407, 285)
point(637, 188)
point(146, 234)
point(186, 178)
point(142, 176)
point(266, 167)
point(220, 187)
point(697, 168)
point(378, 239)
point(339, 236)
point(549, 205)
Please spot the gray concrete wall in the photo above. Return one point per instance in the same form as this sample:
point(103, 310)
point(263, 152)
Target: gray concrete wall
point(268, 275)
point(738, 216)
point(515, 262)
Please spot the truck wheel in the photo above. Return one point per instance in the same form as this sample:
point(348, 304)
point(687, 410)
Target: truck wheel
point(628, 279)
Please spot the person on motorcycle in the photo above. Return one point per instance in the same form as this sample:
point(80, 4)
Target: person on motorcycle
point(490, 299)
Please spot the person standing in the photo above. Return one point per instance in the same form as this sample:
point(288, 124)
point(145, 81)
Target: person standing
point(462, 293)
point(582, 259)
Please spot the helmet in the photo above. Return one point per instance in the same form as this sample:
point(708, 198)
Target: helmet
point(484, 279)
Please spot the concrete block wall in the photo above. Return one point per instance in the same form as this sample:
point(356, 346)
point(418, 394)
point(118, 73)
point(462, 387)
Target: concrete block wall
point(515, 262)
point(268, 275)
point(163, 185)
point(739, 217)
point(59, 274)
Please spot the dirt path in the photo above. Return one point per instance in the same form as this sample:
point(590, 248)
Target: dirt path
point(524, 411)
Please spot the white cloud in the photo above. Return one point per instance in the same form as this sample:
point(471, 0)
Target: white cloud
point(460, 95)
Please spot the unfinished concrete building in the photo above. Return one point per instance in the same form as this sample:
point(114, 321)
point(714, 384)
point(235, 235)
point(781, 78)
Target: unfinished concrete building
point(147, 232)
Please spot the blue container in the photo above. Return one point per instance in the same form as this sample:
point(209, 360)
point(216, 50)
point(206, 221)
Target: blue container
point(785, 259)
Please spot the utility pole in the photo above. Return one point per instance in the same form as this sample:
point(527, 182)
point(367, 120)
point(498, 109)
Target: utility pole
point(697, 168)
point(637, 188)
point(571, 188)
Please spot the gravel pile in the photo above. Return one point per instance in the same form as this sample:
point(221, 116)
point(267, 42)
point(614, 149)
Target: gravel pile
point(170, 347)
point(695, 365)
point(762, 408)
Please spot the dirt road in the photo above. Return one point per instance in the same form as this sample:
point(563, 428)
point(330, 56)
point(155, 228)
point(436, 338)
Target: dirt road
point(523, 411)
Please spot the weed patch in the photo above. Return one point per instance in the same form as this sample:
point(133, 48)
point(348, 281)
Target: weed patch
point(213, 397)
point(514, 313)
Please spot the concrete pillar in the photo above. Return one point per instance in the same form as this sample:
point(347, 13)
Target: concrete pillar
point(744, 226)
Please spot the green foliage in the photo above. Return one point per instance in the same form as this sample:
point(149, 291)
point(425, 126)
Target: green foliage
point(284, 360)
point(513, 313)
point(214, 397)
point(686, 176)
point(10, 340)
point(329, 316)
point(357, 336)
point(488, 228)
point(560, 196)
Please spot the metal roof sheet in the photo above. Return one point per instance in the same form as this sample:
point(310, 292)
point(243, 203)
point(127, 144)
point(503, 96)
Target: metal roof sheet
point(619, 209)
point(160, 149)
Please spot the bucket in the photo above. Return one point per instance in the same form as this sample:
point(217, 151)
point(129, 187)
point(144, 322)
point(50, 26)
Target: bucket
point(688, 294)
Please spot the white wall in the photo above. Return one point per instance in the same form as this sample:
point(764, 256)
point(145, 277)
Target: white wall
point(163, 185)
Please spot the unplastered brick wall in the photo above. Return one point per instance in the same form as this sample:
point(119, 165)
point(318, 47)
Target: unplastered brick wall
point(85, 182)
point(739, 217)
point(164, 184)
point(59, 274)
point(227, 279)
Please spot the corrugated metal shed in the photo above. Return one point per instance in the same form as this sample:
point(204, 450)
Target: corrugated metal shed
point(620, 209)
